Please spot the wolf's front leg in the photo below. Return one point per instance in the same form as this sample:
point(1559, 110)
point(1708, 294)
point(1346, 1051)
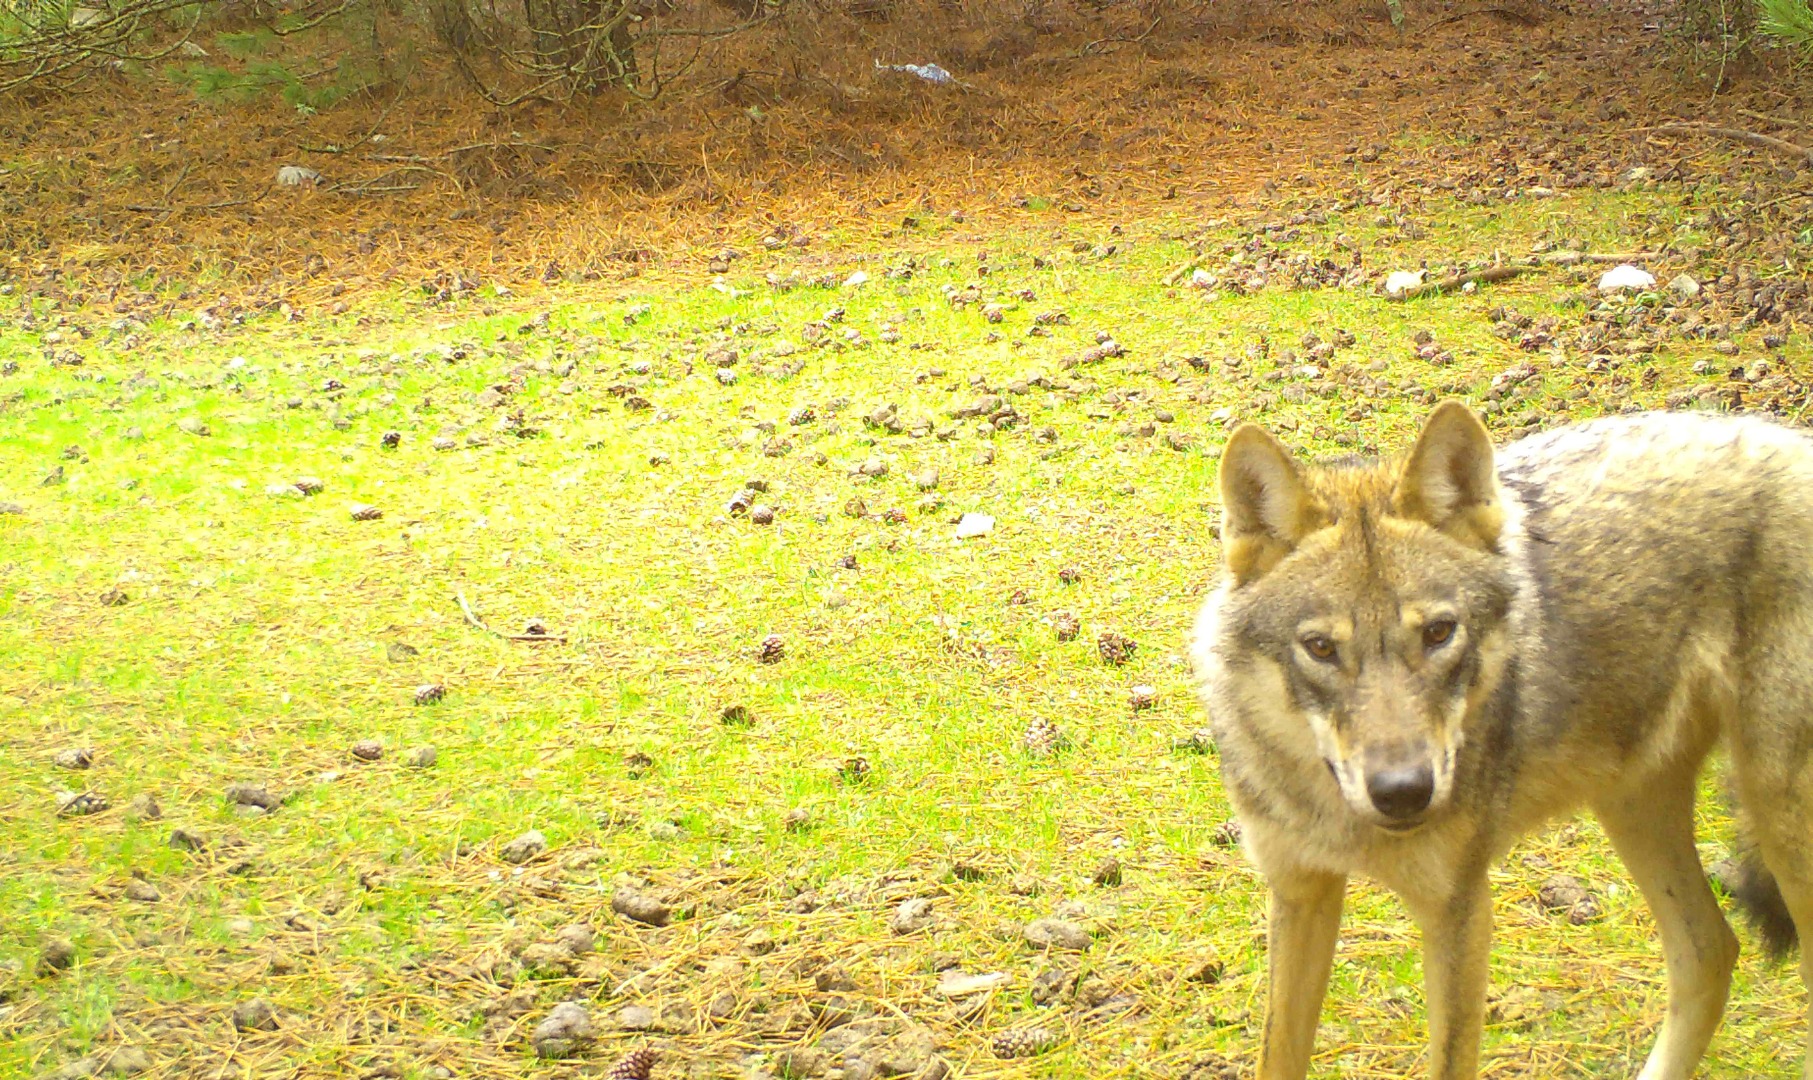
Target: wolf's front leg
point(1300, 940)
point(1457, 947)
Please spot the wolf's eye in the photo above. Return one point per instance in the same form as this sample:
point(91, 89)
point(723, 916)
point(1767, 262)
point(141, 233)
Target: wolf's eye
point(1438, 633)
point(1320, 646)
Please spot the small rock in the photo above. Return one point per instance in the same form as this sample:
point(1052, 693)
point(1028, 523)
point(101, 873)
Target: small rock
point(368, 750)
point(1563, 893)
point(309, 485)
point(255, 1014)
point(911, 916)
point(640, 907)
point(421, 757)
point(1050, 984)
point(761, 514)
point(429, 693)
point(801, 1063)
point(1208, 970)
point(523, 848)
point(443, 443)
point(114, 597)
point(927, 480)
point(567, 1028)
point(577, 938)
point(1684, 287)
point(798, 819)
point(759, 943)
point(390, 440)
point(192, 426)
point(364, 512)
point(142, 891)
point(252, 795)
point(1109, 873)
point(1142, 697)
point(1057, 934)
point(144, 807)
point(545, 960)
point(184, 840)
point(126, 1061)
point(635, 1018)
point(75, 757)
point(399, 651)
point(58, 954)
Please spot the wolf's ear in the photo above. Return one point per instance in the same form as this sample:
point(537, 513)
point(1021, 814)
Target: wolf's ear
point(1266, 508)
point(1449, 480)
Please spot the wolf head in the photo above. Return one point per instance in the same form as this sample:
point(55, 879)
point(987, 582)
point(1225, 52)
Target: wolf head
point(1365, 608)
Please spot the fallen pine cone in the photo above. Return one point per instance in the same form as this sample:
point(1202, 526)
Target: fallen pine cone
point(774, 647)
point(1115, 648)
point(637, 1065)
point(1027, 1042)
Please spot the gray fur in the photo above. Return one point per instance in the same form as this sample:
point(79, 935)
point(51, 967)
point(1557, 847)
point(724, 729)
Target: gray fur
point(1634, 591)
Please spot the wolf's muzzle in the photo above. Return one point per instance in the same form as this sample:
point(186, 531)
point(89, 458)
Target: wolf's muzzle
point(1401, 792)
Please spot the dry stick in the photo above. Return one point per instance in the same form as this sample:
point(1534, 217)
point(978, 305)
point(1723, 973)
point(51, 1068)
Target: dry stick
point(1506, 271)
point(1778, 121)
point(466, 609)
point(1767, 142)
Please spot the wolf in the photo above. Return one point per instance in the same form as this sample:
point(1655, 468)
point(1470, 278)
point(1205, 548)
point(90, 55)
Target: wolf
point(1409, 664)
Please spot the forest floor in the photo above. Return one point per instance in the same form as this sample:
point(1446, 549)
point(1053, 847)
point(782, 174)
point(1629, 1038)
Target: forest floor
point(409, 598)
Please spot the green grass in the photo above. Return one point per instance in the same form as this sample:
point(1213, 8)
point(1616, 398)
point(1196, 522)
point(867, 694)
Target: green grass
point(372, 910)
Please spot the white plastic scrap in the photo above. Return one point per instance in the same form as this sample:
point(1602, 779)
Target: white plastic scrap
point(1626, 276)
point(297, 176)
point(973, 524)
point(1402, 280)
point(931, 73)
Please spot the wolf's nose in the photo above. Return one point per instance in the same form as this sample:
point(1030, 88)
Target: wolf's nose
point(1402, 792)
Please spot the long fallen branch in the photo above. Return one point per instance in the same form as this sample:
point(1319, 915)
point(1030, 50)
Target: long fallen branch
point(1767, 142)
point(1506, 271)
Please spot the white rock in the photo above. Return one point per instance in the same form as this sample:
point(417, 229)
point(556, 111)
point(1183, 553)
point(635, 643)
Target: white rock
point(856, 280)
point(1685, 287)
point(1401, 280)
point(973, 524)
point(954, 983)
point(1626, 276)
point(1202, 279)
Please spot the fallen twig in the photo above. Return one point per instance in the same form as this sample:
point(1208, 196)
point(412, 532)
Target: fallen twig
point(478, 623)
point(1177, 276)
point(1778, 121)
point(1506, 271)
point(1502, 272)
point(1767, 142)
